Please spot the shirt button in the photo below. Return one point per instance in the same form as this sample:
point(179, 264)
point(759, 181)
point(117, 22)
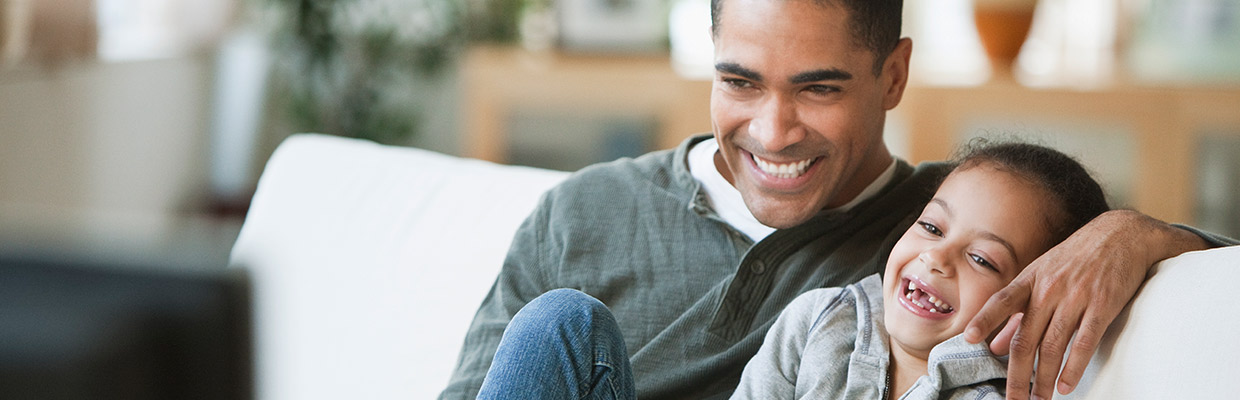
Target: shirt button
point(758, 267)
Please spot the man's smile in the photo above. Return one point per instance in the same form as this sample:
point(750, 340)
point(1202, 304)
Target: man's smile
point(787, 170)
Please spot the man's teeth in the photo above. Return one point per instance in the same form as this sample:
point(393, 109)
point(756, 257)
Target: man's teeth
point(789, 170)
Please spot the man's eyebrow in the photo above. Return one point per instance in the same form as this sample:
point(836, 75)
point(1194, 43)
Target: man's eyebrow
point(820, 75)
point(737, 69)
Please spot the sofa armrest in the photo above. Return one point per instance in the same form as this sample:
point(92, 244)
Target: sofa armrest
point(1177, 339)
point(369, 261)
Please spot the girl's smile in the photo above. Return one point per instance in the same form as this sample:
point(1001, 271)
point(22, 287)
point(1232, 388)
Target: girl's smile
point(923, 300)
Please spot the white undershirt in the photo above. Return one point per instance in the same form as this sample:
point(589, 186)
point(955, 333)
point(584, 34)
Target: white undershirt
point(727, 202)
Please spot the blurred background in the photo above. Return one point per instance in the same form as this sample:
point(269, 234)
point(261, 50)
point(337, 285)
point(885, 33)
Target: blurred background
point(134, 131)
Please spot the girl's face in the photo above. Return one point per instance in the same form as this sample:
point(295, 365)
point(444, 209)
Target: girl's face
point(983, 226)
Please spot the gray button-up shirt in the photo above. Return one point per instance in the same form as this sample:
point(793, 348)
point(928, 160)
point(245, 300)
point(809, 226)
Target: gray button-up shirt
point(693, 297)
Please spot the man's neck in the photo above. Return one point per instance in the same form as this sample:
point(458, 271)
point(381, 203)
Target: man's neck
point(870, 170)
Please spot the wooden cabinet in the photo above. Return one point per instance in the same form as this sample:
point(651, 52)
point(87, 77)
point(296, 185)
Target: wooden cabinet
point(1165, 124)
point(499, 81)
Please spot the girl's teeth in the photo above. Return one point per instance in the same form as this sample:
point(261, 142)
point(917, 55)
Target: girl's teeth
point(942, 305)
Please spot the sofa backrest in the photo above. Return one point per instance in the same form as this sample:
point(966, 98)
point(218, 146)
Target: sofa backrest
point(1177, 338)
point(368, 263)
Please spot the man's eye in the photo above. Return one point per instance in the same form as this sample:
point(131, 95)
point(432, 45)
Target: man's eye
point(930, 228)
point(822, 89)
point(737, 83)
point(982, 261)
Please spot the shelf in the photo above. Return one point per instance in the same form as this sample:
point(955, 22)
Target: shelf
point(499, 81)
point(1164, 123)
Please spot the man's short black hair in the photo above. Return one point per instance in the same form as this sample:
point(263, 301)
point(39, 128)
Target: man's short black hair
point(874, 24)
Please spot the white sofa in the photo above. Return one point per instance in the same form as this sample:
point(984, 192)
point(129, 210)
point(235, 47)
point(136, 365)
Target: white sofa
point(368, 262)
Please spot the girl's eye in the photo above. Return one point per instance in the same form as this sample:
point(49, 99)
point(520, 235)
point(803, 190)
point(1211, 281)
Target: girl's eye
point(982, 261)
point(930, 228)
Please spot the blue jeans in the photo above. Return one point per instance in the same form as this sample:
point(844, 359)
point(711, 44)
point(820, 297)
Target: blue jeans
point(562, 345)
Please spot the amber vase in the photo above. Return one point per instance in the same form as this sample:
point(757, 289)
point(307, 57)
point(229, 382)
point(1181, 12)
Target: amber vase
point(1002, 26)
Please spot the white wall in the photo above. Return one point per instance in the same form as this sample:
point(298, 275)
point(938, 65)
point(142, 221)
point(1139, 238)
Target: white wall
point(115, 148)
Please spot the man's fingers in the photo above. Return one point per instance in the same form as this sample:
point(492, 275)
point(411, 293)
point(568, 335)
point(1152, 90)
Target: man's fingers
point(1001, 343)
point(1051, 350)
point(1083, 347)
point(998, 308)
point(1023, 351)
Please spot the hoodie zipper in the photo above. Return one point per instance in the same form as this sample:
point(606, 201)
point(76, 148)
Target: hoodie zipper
point(886, 385)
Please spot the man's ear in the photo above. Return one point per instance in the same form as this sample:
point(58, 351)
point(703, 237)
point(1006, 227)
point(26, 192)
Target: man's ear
point(895, 73)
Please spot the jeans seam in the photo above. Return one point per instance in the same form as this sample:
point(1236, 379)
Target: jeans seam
point(608, 381)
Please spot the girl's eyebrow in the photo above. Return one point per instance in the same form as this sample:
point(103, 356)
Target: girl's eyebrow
point(995, 238)
point(988, 235)
point(943, 204)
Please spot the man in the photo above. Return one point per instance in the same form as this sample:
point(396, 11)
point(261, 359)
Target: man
point(696, 250)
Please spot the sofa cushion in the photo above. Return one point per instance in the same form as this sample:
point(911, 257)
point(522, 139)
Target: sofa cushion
point(368, 263)
point(1177, 339)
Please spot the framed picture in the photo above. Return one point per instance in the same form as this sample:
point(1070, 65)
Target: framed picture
point(622, 26)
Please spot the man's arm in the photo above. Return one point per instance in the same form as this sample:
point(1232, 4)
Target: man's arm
point(521, 279)
point(1078, 287)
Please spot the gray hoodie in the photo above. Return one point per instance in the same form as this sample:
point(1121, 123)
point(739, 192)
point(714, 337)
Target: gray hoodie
point(831, 344)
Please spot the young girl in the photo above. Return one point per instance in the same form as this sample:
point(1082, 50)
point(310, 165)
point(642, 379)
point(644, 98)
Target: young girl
point(1002, 207)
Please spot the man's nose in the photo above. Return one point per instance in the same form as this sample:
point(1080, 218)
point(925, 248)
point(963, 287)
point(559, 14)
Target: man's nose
point(776, 124)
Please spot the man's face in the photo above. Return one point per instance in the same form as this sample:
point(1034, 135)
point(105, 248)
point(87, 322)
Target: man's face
point(796, 107)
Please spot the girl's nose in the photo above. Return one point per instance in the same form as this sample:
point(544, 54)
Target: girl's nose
point(935, 258)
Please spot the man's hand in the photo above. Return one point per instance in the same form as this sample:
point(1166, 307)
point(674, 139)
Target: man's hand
point(1078, 286)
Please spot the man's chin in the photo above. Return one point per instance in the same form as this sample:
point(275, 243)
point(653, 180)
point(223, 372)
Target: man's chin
point(781, 217)
point(780, 210)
